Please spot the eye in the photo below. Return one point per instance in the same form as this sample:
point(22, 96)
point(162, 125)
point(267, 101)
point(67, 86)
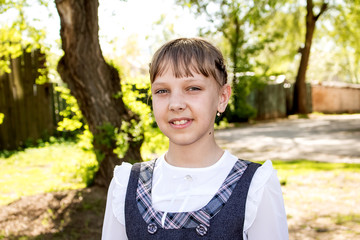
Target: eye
point(161, 91)
point(191, 89)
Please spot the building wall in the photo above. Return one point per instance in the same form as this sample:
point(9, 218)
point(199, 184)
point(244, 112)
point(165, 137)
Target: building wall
point(336, 99)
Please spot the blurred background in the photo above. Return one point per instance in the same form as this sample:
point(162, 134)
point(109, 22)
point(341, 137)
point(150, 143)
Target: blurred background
point(75, 101)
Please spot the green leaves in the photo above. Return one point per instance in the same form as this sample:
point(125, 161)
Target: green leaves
point(17, 32)
point(2, 116)
point(72, 116)
point(345, 31)
point(137, 97)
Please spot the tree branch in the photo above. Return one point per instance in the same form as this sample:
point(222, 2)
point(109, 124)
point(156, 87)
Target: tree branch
point(324, 7)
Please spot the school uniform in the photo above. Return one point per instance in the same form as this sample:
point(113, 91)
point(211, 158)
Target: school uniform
point(232, 199)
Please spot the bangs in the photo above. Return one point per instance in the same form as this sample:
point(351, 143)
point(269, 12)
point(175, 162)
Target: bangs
point(184, 66)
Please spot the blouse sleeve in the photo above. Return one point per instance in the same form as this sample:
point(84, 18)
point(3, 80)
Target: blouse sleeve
point(265, 216)
point(114, 219)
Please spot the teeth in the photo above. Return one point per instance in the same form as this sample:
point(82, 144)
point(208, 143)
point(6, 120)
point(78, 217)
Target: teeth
point(180, 122)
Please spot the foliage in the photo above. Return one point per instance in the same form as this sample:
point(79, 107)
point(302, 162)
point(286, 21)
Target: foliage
point(72, 122)
point(346, 45)
point(107, 135)
point(2, 116)
point(242, 111)
point(85, 139)
point(135, 94)
point(21, 33)
point(137, 98)
point(282, 35)
point(51, 167)
point(72, 119)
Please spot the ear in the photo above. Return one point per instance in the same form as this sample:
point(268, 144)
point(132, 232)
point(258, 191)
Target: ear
point(224, 97)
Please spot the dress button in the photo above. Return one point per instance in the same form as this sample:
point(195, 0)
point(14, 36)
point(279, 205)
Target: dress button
point(201, 230)
point(152, 228)
point(188, 178)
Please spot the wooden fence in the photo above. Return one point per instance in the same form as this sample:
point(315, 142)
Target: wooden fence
point(29, 108)
point(275, 100)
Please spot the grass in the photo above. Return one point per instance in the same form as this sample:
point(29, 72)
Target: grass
point(306, 165)
point(53, 167)
point(303, 166)
point(344, 218)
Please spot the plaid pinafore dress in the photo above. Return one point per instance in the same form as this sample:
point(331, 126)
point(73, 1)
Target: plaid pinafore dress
point(222, 218)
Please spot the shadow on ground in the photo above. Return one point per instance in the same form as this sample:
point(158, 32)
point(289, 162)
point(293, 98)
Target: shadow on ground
point(71, 214)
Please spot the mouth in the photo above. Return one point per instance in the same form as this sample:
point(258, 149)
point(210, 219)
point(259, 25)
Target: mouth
point(180, 123)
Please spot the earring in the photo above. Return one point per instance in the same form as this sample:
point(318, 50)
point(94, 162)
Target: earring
point(218, 114)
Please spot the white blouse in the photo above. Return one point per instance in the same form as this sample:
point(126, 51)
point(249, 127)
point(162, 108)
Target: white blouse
point(176, 189)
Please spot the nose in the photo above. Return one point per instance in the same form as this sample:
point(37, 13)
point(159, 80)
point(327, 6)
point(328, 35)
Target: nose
point(177, 102)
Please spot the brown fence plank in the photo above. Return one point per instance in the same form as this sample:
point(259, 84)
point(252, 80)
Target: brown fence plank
point(27, 106)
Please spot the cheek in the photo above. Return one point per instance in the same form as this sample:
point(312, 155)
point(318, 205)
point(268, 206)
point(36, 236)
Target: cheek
point(158, 108)
point(211, 103)
point(206, 108)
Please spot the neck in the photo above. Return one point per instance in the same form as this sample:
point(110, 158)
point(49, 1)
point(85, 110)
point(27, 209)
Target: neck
point(194, 155)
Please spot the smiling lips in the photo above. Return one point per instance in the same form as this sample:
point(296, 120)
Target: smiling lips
point(180, 123)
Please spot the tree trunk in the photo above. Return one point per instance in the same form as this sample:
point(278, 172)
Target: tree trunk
point(300, 95)
point(94, 84)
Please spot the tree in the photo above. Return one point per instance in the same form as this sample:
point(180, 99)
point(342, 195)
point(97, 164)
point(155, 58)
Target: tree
point(300, 93)
point(96, 86)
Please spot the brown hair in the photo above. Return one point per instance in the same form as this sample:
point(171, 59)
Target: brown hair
point(185, 55)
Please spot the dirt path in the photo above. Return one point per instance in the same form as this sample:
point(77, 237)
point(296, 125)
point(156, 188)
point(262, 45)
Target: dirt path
point(331, 138)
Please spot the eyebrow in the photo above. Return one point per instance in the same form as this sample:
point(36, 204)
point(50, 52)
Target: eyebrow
point(188, 79)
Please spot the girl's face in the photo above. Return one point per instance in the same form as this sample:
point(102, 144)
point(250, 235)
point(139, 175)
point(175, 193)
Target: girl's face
point(185, 108)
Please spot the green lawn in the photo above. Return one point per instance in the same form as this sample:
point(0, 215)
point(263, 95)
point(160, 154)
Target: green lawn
point(288, 169)
point(49, 168)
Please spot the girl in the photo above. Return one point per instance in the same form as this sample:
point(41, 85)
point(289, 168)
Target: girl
point(195, 190)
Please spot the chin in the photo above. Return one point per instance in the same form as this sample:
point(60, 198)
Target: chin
point(181, 141)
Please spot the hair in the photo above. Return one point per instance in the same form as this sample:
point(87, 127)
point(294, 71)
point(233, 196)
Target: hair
point(187, 55)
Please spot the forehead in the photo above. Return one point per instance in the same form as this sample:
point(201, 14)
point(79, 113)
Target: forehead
point(180, 68)
point(169, 73)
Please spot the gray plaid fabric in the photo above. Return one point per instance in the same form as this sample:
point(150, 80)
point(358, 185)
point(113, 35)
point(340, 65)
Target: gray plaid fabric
point(184, 219)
